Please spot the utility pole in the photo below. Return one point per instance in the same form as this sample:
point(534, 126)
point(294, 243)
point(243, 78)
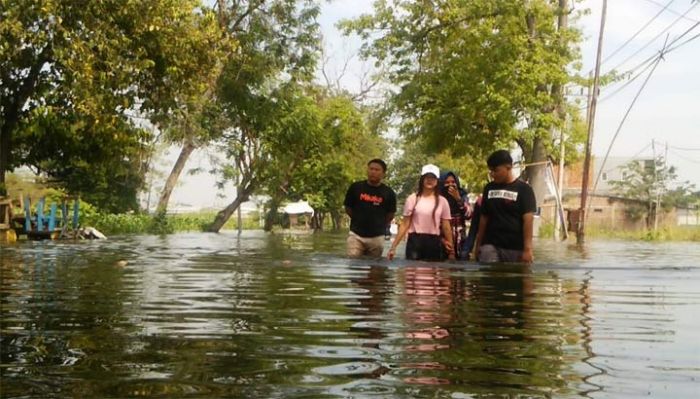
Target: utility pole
point(580, 234)
point(563, 23)
point(560, 181)
point(659, 188)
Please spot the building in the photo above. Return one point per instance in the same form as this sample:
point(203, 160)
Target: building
point(606, 209)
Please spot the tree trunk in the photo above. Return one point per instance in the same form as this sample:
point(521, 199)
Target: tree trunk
point(318, 221)
point(271, 216)
point(336, 219)
point(185, 153)
point(225, 214)
point(4, 156)
point(536, 174)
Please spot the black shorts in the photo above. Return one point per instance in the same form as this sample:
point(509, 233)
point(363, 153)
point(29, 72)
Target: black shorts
point(424, 247)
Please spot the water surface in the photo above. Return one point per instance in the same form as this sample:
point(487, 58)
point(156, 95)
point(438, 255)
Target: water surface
point(286, 316)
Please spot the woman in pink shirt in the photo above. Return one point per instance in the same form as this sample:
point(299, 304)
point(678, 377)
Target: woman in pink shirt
point(425, 214)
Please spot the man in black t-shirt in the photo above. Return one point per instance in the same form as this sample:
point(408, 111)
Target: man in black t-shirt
point(371, 206)
point(507, 212)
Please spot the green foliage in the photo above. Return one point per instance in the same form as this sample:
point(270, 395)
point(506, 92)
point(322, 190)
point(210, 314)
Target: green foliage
point(405, 174)
point(73, 74)
point(471, 76)
point(675, 233)
point(644, 181)
point(103, 163)
point(137, 223)
point(546, 230)
point(346, 145)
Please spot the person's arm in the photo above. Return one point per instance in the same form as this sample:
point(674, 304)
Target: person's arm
point(403, 229)
point(349, 202)
point(483, 222)
point(447, 234)
point(527, 237)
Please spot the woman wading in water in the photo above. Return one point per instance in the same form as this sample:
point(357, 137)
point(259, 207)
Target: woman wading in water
point(425, 214)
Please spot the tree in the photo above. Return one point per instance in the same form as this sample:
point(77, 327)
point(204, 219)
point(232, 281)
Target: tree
point(474, 76)
point(268, 144)
point(275, 54)
point(347, 143)
point(645, 182)
point(93, 64)
point(260, 40)
point(103, 163)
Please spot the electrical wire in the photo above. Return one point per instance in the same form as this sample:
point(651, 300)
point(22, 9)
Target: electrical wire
point(624, 118)
point(672, 11)
point(655, 37)
point(617, 50)
point(653, 58)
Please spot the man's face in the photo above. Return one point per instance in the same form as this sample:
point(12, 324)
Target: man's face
point(375, 173)
point(500, 174)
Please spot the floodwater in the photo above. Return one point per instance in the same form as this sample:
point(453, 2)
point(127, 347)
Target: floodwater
point(286, 316)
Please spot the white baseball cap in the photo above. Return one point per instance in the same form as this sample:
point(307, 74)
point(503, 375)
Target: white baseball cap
point(430, 168)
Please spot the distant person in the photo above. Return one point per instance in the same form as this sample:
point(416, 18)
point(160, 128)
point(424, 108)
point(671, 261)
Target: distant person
point(371, 206)
point(458, 199)
point(425, 215)
point(506, 217)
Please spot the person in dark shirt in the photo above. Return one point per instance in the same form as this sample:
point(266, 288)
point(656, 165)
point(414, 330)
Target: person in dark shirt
point(507, 212)
point(457, 197)
point(371, 206)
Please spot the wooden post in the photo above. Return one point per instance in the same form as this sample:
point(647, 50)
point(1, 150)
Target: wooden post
point(76, 209)
point(580, 236)
point(52, 217)
point(27, 215)
point(40, 215)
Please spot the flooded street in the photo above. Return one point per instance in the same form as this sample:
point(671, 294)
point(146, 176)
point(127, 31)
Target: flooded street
point(278, 316)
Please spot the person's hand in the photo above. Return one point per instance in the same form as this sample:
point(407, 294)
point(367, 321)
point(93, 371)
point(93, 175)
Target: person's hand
point(527, 256)
point(452, 190)
point(392, 252)
point(448, 245)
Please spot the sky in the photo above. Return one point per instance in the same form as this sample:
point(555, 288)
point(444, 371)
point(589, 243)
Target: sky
point(667, 111)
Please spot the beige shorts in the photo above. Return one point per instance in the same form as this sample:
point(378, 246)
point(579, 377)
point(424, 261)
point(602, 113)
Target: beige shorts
point(365, 246)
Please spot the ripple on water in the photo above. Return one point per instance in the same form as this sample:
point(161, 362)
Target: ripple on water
point(203, 315)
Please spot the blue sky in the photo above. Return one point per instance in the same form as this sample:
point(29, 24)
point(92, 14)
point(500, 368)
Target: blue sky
point(668, 110)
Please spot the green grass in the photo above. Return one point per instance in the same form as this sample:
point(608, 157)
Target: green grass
point(113, 224)
point(674, 233)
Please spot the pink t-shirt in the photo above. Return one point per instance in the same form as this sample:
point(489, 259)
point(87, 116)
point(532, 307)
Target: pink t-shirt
point(422, 221)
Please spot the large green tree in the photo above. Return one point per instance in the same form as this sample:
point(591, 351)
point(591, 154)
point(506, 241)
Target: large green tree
point(259, 87)
point(259, 41)
point(473, 76)
point(268, 145)
point(90, 65)
point(348, 141)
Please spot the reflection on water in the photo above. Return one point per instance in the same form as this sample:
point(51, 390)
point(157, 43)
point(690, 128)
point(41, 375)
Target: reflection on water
point(201, 315)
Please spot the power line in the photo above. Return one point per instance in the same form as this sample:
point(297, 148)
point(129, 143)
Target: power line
point(629, 109)
point(638, 32)
point(687, 41)
point(655, 37)
point(685, 158)
point(672, 11)
point(684, 149)
point(652, 59)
